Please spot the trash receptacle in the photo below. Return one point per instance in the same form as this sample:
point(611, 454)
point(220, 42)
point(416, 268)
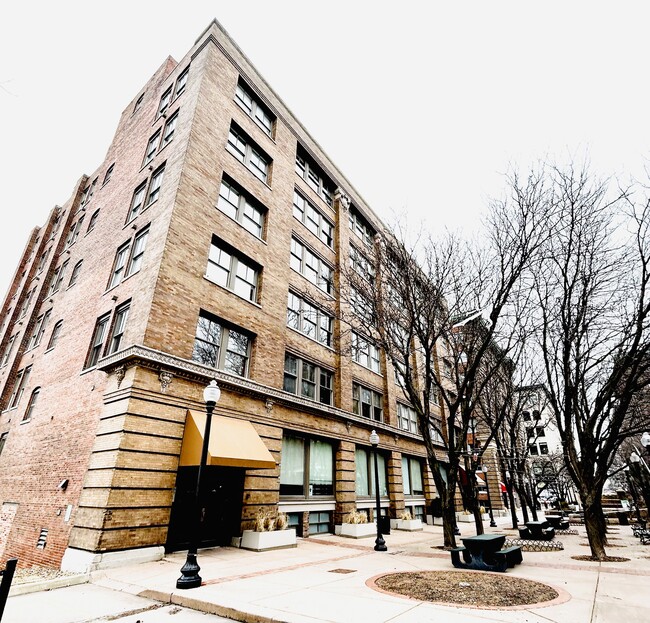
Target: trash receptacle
point(622, 519)
point(384, 524)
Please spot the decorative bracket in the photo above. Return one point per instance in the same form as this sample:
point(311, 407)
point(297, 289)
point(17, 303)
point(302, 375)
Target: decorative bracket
point(165, 378)
point(120, 373)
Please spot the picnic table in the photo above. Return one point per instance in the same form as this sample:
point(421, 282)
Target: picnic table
point(485, 552)
point(537, 531)
point(559, 522)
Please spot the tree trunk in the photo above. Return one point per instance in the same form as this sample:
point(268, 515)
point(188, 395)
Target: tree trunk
point(513, 509)
point(448, 520)
point(595, 526)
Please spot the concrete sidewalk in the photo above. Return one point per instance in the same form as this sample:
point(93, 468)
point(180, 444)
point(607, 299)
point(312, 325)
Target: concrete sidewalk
point(328, 579)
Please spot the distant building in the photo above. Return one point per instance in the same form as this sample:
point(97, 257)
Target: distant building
point(206, 245)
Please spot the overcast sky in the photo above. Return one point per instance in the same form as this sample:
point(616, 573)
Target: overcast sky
point(423, 105)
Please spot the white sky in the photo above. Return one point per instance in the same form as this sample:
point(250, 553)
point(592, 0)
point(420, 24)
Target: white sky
point(421, 104)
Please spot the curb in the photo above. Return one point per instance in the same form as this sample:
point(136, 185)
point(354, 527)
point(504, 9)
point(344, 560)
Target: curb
point(47, 585)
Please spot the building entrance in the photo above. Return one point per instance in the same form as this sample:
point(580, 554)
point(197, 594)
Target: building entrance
point(223, 490)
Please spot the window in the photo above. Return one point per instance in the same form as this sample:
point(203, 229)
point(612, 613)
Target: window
point(221, 346)
point(526, 415)
point(39, 329)
point(361, 306)
point(407, 418)
point(361, 227)
point(539, 430)
point(43, 259)
point(32, 404)
point(109, 173)
point(93, 221)
point(139, 246)
point(56, 331)
point(97, 343)
point(367, 402)
point(309, 319)
point(138, 103)
point(119, 325)
point(170, 126)
point(249, 154)
point(119, 265)
point(232, 271)
point(306, 467)
point(320, 522)
point(88, 193)
point(412, 476)
point(307, 379)
point(311, 218)
point(533, 450)
point(436, 431)
point(75, 273)
point(543, 448)
point(19, 386)
point(3, 440)
point(73, 234)
point(536, 414)
point(57, 278)
point(241, 207)
point(314, 177)
point(141, 199)
point(165, 100)
point(26, 304)
point(8, 349)
point(365, 473)
point(254, 108)
point(361, 265)
point(365, 353)
point(152, 146)
point(181, 82)
point(309, 265)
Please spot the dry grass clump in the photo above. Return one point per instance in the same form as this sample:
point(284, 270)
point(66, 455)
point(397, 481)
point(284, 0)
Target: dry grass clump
point(467, 588)
point(267, 521)
point(355, 517)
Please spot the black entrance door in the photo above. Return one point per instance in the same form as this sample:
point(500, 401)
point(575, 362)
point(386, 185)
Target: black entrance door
point(223, 489)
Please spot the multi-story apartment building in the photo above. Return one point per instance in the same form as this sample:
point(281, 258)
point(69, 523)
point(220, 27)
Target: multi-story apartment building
point(208, 244)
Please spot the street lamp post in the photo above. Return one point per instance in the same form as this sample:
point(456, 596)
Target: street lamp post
point(641, 477)
point(380, 544)
point(487, 486)
point(635, 497)
point(190, 577)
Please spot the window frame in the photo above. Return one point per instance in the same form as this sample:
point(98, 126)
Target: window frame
point(248, 152)
point(301, 380)
point(39, 329)
point(31, 405)
point(361, 227)
point(375, 413)
point(120, 318)
point(255, 106)
point(244, 200)
point(54, 336)
point(324, 227)
point(322, 334)
point(222, 348)
point(411, 418)
point(100, 332)
point(366, 353)
point(20, 383)
point(314, 177)
point(303, 265)
point(233, 276)
point(146, 194)
point(307, 486)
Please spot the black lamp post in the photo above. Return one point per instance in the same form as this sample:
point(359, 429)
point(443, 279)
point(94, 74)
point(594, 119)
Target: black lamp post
point(190, 577)
point(641, 477)
point(487, 486)
point(380, 544)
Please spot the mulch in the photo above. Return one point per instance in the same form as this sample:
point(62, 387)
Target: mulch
point(467, 588)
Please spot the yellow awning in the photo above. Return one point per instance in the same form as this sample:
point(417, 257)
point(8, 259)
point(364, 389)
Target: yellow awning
point(233, 443)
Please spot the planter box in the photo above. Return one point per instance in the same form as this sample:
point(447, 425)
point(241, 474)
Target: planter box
point(358, 530)
point(262, 541)
point(470, 518)
point(409, 524)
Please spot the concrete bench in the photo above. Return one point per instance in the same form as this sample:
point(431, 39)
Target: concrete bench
point(512, 555)
point(524, 533)
point(455, 556)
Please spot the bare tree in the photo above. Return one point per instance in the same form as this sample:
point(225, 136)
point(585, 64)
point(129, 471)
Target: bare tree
point(592, 319)
point(442, 310)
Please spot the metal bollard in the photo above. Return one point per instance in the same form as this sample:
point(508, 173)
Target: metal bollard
point(5, 584)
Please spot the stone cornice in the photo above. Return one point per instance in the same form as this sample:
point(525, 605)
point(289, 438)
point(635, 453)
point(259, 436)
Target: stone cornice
point(145, 357)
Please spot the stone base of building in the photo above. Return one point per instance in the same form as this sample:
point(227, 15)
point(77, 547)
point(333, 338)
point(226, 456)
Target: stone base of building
point(82, 561)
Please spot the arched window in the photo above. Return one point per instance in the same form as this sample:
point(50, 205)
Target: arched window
point(32, 404)
point(56, 331)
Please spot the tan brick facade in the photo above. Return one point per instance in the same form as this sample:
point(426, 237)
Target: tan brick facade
point(114, 431)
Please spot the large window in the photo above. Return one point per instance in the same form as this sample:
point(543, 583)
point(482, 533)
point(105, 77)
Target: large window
point(32, 404)
point(119, 325)
point(309, 319)
point(241, 207)
point(307, 379)
point(312, 219)
point(366, 353)
point(9, 349)
point(19, 386)
point(152, 146)
point(309, 265)
point(412, 476)
point(365, 473)
point(142, 198)
point(407, 418)
point(57, 278)
point(362, 265)
point(361, 227)
point(254, 108)
point(129, 258)
point(56, 332)
point(367, 402)
point(315, 178)
point(75, 273)
point(181, 81)
point(97, 343)
point(220, 346)
point(232, 271)
point(39, 329)
point(306, 467)
point(248, 153)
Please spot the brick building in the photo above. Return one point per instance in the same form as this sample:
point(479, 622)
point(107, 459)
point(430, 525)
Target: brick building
point(206, 245)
